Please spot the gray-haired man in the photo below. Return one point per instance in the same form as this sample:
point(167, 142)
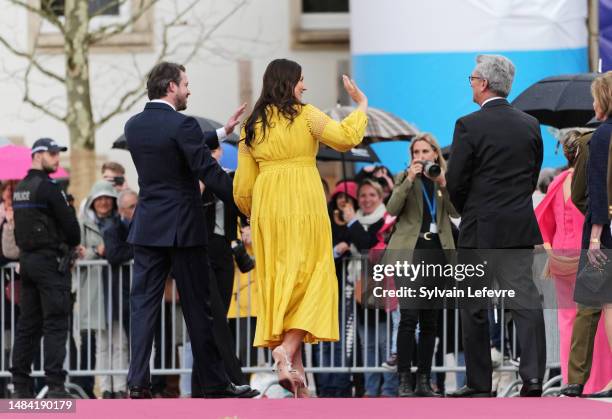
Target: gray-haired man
point(496, 159)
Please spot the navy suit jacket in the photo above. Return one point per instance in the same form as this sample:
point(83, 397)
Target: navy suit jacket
point(597, 172)
point(170, 154)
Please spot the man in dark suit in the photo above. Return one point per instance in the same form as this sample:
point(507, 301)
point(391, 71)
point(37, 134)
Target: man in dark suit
point(169, 232)
point(493, 171)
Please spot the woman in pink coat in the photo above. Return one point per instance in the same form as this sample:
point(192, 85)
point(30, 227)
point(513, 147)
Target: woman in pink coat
point(561, 227)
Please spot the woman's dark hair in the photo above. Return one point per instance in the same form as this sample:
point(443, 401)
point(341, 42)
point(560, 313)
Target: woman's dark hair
point(279, 82)
point(160, 77)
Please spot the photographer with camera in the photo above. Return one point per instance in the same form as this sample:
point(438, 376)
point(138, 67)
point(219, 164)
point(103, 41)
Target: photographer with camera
point(44, 222)
point(114, 173)
point(422, 205)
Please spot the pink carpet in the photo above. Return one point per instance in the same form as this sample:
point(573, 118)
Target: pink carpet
point(516, 408)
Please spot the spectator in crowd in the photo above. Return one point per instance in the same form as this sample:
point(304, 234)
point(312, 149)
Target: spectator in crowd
point(546, 177)
point(422, 205)
point(9, 249)
point(326, 354)
point(46, 230)
point(561, 225)
point(593, 298)
point(363, 226)
point(100, 212)
point(114, 173)
point(118, 252)
point(9, 252)
point(496, 160)
point(381, 174)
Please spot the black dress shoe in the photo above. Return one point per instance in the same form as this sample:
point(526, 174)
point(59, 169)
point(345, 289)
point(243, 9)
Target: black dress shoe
point(231, 390)
point(22, 392)
point(572, 390)
point(107, 395)
point(58, 391)
point(466, 391)
point(532, 388)
point(138, 392)
point(601, 394)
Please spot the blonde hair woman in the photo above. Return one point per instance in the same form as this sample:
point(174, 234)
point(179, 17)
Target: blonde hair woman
point(596, 232)
point(422, 205)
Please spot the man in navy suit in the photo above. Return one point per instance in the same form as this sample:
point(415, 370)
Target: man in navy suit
point(169, 231)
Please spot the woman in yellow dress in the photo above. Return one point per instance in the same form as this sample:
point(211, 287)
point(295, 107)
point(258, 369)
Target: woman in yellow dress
point(278, 186)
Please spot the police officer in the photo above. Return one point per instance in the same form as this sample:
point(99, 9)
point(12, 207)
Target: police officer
point(46, 231)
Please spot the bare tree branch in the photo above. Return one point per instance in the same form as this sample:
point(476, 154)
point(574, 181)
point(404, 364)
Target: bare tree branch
point(107, 31)
point(26, 98)
point(44, 11)
point(32, 60)
point(131, 97)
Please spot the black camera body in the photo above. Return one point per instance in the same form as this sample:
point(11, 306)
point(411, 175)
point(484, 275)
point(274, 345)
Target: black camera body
point(244, 261)
point(431, 168)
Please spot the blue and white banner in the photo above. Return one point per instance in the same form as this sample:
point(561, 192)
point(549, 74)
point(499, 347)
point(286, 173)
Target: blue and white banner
point(413, 58)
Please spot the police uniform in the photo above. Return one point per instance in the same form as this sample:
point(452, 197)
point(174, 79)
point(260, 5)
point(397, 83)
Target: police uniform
point(46, 228)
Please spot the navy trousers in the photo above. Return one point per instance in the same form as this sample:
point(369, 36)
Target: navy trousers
point(190, 268)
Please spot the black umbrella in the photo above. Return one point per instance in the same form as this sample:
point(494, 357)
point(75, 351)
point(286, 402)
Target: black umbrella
point(560, 101)
point(365, 155)
point(205, 123)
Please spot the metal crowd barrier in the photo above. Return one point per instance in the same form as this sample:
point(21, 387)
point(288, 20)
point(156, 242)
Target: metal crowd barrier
point(93, 314)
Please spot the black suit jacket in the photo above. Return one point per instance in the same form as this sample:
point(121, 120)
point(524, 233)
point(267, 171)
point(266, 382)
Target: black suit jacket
point(495, 161)
point(170, 155)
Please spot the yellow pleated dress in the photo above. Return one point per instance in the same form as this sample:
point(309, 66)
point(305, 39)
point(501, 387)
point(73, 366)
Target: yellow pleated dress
point(277, 184)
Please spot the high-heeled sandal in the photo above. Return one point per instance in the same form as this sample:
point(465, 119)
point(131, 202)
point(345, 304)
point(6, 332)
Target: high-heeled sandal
point(287, 376)
point(302, 391)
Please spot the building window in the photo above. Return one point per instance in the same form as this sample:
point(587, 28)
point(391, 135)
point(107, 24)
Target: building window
point(101, 7)
point(325, 15)
point(323, 22)
point(137, 37)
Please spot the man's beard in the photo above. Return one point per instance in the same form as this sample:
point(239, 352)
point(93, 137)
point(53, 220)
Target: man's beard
point(48, 168)
point(181, 103)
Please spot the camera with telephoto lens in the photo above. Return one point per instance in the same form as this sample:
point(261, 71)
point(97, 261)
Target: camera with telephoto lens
point(244, 261)
point(431, 168)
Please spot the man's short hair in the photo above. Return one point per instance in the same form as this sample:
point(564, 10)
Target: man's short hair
point(160, 78)
point(113, 167)
point(498, 71)
point(123, 194)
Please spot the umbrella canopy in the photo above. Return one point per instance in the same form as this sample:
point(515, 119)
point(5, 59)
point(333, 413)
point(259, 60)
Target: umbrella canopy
point(205, 123)
point(560, 101)
point(366, 155)
point(15, 161)
point(382, 125)
point(229, 159)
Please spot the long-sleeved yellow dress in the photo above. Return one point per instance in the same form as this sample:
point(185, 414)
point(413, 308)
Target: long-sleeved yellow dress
point(278, 185)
